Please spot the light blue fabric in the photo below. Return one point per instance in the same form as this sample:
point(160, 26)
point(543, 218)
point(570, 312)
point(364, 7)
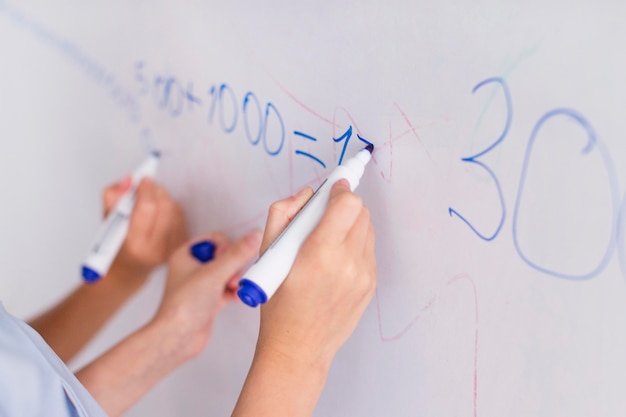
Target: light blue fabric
point(34, 382)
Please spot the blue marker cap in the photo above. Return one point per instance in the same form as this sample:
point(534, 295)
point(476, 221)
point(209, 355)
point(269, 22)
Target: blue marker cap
point(250, 293)
point(90, 275)
point(203, 251)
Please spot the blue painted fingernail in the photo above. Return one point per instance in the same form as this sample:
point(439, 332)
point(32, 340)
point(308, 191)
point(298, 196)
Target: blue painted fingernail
point(203, 251)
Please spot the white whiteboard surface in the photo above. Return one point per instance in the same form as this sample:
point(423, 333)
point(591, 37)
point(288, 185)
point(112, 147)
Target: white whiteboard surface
point(496, 189)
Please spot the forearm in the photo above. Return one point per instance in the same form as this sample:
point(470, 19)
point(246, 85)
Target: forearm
point(120, 377)
point(278, 386)
point(69, 325)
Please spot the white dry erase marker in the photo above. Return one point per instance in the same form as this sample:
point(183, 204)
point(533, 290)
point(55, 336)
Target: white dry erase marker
point(113, 230)
point(265, 276)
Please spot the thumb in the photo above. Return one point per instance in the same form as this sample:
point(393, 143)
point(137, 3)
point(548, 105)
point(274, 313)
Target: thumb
point(281, 213)
point(114, 192)
point(343, 209)
point(145, 212)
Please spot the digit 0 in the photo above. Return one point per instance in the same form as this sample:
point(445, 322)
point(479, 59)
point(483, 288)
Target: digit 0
point(251, 98)
point(271, 110)
point(592, 142)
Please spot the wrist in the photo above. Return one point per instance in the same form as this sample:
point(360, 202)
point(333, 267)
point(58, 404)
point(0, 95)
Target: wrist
point(125, 373)
point(280, 384)
point(127, 277)
point(295, 348)
point(292, 363)
point(174, 349)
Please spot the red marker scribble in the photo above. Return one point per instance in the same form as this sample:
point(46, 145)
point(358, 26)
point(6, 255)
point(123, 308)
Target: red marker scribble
point(387, 144)
point(455, 280)
point(301, 104)
point(412, 129)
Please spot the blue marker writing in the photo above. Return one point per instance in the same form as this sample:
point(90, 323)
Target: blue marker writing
point(114, 229)
point(270, 270)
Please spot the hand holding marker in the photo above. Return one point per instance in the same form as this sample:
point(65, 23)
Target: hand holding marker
point(270, 270)
point(114, 229)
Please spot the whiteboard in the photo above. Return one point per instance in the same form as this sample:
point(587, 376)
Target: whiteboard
point(497, 189)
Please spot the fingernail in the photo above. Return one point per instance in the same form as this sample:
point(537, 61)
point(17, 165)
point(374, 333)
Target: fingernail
point(343, 183)
point(203, 251)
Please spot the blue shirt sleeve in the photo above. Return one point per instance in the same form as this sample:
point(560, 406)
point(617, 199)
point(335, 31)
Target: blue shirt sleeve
point(33, 380)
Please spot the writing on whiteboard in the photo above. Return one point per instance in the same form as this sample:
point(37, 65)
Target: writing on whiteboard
point(262, 125)
point(616, 239)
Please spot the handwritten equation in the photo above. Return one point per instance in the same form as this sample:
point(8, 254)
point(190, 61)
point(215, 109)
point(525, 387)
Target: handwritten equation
point(225, 110)
point(261, 123)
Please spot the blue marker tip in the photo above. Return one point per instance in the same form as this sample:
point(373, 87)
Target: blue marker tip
point(370, 147)
point(203, 251)
point(250, 293)
point(156, 154)
point(90, 275)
